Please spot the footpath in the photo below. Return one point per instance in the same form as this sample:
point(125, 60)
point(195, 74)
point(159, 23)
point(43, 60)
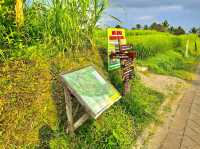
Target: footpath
point(183, 132)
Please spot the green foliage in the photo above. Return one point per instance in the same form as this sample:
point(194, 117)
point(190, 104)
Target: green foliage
point(58, 25)
point(68, 29)
point(105, 132)
point(149, 43)
point(158, 27)
point(178, 31)
point(116, 128)
point(172, 63)
point(60, 142)
point(7, 23)
point(165, 27)
point(61, 23)
point(143, 103)
point(11, 38)
point(138, 26)
point(112, 130)
point(194, 30)
point(7, 17)
point(144, 47)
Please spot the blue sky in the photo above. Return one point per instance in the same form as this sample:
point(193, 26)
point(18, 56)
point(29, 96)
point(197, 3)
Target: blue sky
point(178, 12)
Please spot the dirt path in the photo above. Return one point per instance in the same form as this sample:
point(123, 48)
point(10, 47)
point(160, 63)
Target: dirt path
point(182, 131)
point(161, 83)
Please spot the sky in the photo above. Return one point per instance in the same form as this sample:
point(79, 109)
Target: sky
point(185, 13)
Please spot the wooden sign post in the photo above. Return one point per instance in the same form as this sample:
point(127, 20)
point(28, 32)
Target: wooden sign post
point(114, 35)
point(87, 94)
point(126, 60)
point(120, 55)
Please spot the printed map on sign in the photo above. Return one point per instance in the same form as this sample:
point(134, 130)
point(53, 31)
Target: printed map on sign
point(114, 35)
point(90, 87)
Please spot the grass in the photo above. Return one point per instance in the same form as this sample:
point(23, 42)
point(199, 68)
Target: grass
point(163, 53)
point(32, 96)
point(149, 43)
point(36, 106)
point(57, 39)
point(172, 63)
point(161, 43)
point(120, 125)
point(25, 102)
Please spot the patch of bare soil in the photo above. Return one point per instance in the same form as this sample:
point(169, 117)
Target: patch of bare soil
point(161, 83)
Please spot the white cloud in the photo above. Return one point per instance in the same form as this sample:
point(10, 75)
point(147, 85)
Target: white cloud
point(146, 18)
point(171, 8)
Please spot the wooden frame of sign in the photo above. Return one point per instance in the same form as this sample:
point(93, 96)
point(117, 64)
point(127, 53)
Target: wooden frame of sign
point(71, 113)
point(78, 108)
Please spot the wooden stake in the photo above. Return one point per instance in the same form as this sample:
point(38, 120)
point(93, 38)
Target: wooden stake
point(79, 122)
point(187, 48)
point(69, 111)
point(126, 87)
point(71, 125)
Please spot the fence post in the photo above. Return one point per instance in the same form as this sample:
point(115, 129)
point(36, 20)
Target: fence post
point(187, 48)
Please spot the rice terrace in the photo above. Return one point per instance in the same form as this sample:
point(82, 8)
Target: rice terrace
point(99, 74)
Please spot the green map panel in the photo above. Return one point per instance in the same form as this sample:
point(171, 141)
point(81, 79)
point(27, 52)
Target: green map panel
point(90, 87)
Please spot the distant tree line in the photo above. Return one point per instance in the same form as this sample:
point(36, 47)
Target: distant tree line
point(164, 27)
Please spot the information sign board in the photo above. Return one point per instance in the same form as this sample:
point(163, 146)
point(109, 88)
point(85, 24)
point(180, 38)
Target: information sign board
point(91, 89)
point(114, 35)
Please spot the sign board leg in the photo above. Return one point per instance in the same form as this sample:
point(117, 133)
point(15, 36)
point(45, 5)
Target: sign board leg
point(126, 87)
point(68, 102)
point(83, 118)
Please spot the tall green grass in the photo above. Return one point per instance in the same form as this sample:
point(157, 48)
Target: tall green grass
point(149, 43)
point(69, 24)
point(61, 25)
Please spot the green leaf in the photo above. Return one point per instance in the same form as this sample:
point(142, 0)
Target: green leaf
point(2, 54)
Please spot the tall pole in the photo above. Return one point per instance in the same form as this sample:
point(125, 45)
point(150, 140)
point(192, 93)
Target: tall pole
point(19, 13)
point(187, 48)
point(126, 86)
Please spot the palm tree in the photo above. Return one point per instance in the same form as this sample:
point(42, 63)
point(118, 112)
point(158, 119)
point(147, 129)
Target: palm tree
point(194, 30)
point(138, 26)
point(171, 29)
point(198, 31)
point(165, 24)
point(118, 26)
point(146, 27)
point(153, 25)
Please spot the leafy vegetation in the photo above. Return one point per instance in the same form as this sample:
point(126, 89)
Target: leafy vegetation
point(58, 25)
point(53, 38)
point(172, 63)
point(120, 125)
